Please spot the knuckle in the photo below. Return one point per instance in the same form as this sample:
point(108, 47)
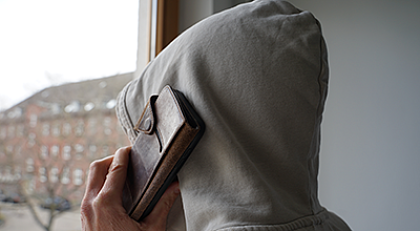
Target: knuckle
point(92, 207)
point(86, 208)
point(116, 167)
point(95, 165)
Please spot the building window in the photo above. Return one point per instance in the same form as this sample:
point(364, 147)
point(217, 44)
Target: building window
point(44, 152)
point(79, 150)
point(111, 104)
point(29, 165)
point(78, 176)
point(33, 119)
point(7, 174)
point(72, 107)
point(80, 128)
point(55, 150)
point(45, 129)
point(55, 109)
point(92, 126)
point(17, 173)
point(66, 152)
point(105, 151)
point(65, 179)
point(66, 129)
point(89, 106)
point(56, 130)
point(31, 139)
point(92, 151)
point(54, 175)
point(42, 175)
point(20, 130)
point(32, 185)
point(107, 125)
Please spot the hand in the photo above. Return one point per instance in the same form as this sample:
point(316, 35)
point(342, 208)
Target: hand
point(102, 208)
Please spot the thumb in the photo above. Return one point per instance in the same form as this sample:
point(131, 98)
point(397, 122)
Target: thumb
point(157, 218)
point(117, 173)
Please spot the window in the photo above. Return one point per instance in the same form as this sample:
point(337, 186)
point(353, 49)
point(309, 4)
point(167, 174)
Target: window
point(66, 129)
point(111, 104)
point(7, 176)
point(20, 130)
point(46, 129)
point(79, 151)
point(66, 152)
point(44, 152)
point(55, 149)
point(29, 165)
point(89, 106)
point(105, 151)
point(92, 151)
point(72, 107)
point(107, 125)
point(54, 175)
point(92, 126)
point(54, 134)
point(17, 173)
point(15, 113)
point(107, 121)
point(33, 119)
point(31, 139)
point(42, 175)
point(56, 130)
point(65, 179)
point(80, 128)
point(55, 108)
point(78, 176)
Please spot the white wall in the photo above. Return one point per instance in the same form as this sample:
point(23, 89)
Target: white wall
point(370, 153)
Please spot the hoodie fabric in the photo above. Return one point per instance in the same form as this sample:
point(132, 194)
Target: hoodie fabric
point(257, 74)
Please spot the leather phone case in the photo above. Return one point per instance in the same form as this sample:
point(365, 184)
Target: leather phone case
point(168, 131)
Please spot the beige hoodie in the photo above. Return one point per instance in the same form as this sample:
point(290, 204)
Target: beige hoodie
point(258, 75)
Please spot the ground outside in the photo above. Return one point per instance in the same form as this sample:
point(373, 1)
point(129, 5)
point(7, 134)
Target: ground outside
point(18, 218)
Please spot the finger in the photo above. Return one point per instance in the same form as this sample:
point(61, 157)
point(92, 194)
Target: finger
point(157, 218)
point(97, 175)
point(117, 172)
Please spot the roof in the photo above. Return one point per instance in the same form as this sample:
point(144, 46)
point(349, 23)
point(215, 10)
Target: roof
point(72, 97)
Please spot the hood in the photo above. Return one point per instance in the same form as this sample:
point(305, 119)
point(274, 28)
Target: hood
point(257, 74)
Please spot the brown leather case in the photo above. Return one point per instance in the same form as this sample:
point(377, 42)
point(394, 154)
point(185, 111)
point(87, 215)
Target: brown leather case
point(169, 129)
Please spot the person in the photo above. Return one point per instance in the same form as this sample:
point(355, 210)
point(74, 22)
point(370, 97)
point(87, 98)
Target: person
point(257, 74)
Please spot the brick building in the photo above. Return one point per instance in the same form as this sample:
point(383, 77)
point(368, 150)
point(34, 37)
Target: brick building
point(48, 141)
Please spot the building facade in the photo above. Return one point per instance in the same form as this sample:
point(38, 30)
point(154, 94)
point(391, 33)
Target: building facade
point(48, 141)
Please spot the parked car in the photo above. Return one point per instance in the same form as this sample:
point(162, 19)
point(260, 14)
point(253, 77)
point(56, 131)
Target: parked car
point(2, 195)
point(56, 203)
point(14, 198)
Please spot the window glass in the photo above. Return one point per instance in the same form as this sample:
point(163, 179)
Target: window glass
point(66, 118)
point(44, 152)
point(66, 152)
